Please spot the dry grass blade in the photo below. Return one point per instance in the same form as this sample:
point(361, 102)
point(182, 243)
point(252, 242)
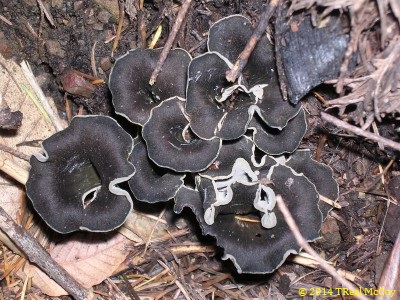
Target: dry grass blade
point(43, 100)
point(312, 263)
point(121, 6)
point(46, 13)
point(5, 20)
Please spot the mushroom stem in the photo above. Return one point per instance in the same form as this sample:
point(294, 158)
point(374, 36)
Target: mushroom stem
point(171, 38)
point(233, 74)
point(303, 244)
point(13, 170)
point(39, 256)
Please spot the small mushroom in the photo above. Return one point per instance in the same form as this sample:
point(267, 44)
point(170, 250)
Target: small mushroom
point(216, 107)
point(132, 95)
point(74, 184)
point(151, 183)
point(171, 143)
point(273, 141)
point(228, 37)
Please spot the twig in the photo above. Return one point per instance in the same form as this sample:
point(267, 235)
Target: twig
point(182, 289)
point(330, 202)
point(35, 86)
point(14, 152)
point(131, 291)
point(303, 244)
point(121, 7)
point(39, 256)
point(152, 231)
point(141, 25)
point(170, 40)
point(241, 62)
point(5, 20)
point(360, 132)
point(93, 60)
point(390, 276)
point(13, 170)
point(310, 262)
point(46, 13)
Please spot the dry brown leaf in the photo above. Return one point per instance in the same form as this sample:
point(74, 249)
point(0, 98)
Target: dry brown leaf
point(92, 257)
point(89, 257)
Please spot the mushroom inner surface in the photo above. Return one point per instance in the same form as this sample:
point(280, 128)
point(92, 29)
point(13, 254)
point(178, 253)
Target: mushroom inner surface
point(183, 134)
point(233, 98)
point(152, 95)
point(81, 180)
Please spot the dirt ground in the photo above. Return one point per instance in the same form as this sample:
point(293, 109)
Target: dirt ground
point(78, 35)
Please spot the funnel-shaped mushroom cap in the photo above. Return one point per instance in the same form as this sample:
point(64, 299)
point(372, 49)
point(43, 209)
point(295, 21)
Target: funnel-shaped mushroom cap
point(151, 183)
point(216, 107)
point(244, 220)
point(170, 142)
point(74, 186)
point(133, 96)
point(229, 37)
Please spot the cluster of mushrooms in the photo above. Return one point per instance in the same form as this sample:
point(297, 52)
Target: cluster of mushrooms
point(222, 149)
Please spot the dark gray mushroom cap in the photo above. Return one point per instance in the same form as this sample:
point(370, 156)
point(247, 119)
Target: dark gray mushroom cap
point(319, 174)
point(274, 141)
point(170, 142)
point(132, 95)
point(255, 245)
point(228, 37)
point(74, 186)
point(230, 151)
point(270, 247)
point(209, 116)
point(151, 183)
